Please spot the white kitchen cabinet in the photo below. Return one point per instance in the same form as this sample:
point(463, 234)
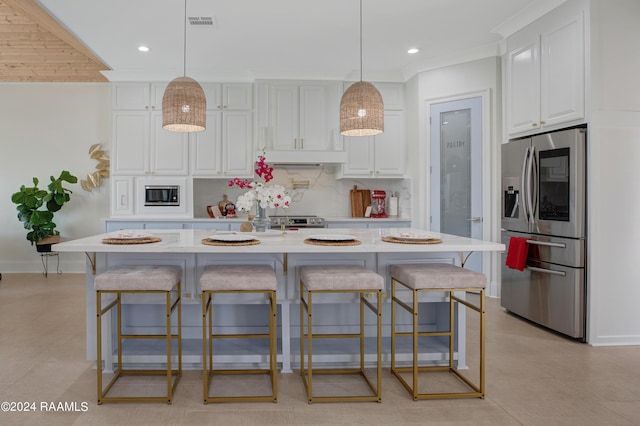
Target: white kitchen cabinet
point(380, 156)
point(137, 96)
point(299, 115)
point(121, 195)
point(545, 67)
point(142, 147)
point(225, 148)
point(228, 96)
point(369, 223)
point(218, 225)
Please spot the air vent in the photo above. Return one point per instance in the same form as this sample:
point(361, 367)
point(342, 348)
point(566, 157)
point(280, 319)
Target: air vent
point(201, 20)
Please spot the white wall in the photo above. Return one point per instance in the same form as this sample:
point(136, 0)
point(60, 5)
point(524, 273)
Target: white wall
point(614, 153)
point(462, 80)
point(47, 128)
point(325, 196)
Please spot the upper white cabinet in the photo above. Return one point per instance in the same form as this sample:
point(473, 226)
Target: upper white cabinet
point(140, 145)
point(137, 96)
point(380, 156)
point(545, 67)
point(228, 96)
point(298, 115)
point(392, 95)
point(225, 148)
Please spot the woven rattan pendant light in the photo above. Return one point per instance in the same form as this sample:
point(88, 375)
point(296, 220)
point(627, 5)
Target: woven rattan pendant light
point(361, 107)
point(184, 104)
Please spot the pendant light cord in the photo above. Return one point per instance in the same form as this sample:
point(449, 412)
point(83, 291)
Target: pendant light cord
point(184, 48)
point(360, 40)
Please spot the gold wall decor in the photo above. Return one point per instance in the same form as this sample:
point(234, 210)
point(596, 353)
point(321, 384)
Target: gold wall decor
point(94, 180)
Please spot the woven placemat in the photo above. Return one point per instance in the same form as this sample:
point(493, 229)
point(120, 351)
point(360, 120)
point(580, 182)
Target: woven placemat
point(131, 241)
point(390, 239)
point(332, 243)
point(208, 242)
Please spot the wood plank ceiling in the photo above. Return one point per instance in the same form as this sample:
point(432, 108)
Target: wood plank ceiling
point(34, 47)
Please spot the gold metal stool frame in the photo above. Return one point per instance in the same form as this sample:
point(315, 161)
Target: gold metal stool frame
point(478, 390)
point(120, 372)
point(307, 373)
point(207, 340)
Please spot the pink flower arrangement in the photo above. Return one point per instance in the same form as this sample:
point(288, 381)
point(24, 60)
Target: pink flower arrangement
point(262, 170)
point(267, 196)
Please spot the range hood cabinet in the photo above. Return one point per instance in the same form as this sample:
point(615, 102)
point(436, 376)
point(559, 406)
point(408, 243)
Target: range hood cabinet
point(302, 158)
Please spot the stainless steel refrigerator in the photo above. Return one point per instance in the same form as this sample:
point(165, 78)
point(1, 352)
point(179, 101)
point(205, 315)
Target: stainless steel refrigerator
point(544, 194)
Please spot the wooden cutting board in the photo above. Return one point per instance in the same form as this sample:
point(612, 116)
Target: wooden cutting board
point(360, 200)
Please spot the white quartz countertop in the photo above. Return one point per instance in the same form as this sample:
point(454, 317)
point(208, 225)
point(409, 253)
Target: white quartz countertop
point(240, 219)
point(189, 241)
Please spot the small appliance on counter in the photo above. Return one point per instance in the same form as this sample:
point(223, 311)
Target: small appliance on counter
point(393, 205)
point(378, 203)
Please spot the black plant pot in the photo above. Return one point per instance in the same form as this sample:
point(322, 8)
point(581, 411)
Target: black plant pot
point(44, 246)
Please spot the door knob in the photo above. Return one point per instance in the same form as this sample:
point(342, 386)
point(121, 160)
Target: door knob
point(475, 219)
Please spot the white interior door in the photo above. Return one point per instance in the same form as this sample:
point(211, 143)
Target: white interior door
point(456, 170)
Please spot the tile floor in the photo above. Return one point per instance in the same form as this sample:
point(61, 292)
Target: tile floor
point(533, 377)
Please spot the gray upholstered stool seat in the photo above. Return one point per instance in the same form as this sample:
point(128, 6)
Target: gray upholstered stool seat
point(339, 279)
point(342, 277)
point(238, 277)
point(143, 279)
point(452, 280)
point(239, 280)
point(437, 275)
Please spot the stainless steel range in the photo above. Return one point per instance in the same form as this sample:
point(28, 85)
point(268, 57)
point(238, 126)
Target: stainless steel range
point(297, 222)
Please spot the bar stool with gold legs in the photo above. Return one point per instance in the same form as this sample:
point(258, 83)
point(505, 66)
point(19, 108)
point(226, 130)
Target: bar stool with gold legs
point(316, 280)
point(239, 279)
point(435, 277)
point(149, 279)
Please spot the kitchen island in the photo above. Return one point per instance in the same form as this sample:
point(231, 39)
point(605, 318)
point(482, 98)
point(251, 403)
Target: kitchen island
point(282, 251)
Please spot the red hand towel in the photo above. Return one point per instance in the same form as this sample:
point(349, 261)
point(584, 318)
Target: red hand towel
point(517, 253)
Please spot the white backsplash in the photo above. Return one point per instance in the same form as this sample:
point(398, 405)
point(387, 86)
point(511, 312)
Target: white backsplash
point(326, 196)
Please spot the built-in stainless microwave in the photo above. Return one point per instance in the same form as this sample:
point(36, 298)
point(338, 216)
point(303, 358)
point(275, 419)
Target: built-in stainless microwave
point(161, 195)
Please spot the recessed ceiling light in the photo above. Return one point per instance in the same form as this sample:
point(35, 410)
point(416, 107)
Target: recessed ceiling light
point(413, 50)
point(144, 48)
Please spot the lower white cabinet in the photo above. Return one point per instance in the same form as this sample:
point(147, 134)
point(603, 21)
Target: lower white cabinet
point(369, 223)
point(116, 225)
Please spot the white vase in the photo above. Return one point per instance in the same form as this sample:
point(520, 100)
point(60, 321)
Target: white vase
point(261, 221)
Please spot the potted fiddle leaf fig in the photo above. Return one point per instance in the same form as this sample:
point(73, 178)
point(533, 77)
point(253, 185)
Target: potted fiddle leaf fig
point(36, 208)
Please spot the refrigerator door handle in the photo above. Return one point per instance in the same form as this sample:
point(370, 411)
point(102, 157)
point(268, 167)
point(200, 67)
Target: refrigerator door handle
point(546, 271)
point(533, 177)
point(523, 181)
point(546, 244)
point(529, 186)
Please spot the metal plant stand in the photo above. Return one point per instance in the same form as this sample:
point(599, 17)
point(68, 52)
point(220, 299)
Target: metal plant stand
point(44, 257)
